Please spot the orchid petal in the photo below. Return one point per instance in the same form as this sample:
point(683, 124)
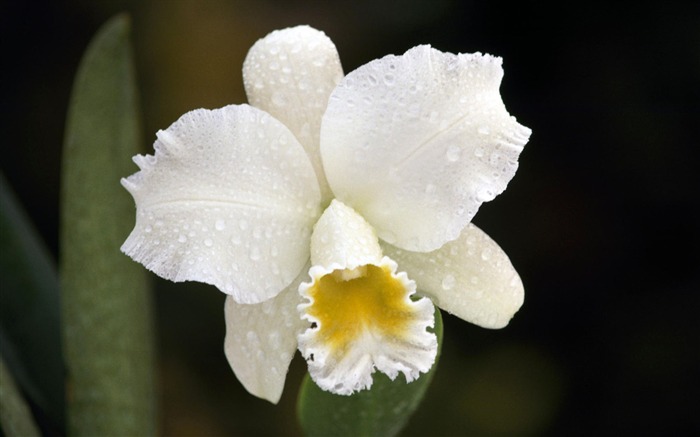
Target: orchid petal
point(228, 199)
point(470, 277)
point(416, 143)
point(362, 313)
point(261, 340)
point(290, 74)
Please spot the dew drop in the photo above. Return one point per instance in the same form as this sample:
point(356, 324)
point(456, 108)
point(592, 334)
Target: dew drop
point(255, 254)
point(448, 282)
point(478, 152)
point(483, 130)
point(452, 153)
point(274, 339)
point(492, 319)
point(486, 254)
point(279, 99)
point(514, 281)
point(182, 239)
point(148, 229)
point(220, 225)
point(208, 242)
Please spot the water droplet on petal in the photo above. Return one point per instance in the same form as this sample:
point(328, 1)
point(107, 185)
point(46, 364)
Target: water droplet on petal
point(515, 280)
point(452, 153)
point(182, 239)
point(208, 242)
point(220, 225)
point(279, 99)
point(486, 254)
point(448, 282)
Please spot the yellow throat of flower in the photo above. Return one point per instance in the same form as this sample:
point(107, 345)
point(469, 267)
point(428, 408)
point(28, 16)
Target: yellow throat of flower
point(360, 308)
point(369, 299)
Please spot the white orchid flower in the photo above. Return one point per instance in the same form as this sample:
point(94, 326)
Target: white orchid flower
point(316, 208)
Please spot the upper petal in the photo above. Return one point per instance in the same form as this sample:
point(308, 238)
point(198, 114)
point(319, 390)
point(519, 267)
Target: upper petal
point(415, 143)
point(229, 199)
point(470, 277)
point(290, 74)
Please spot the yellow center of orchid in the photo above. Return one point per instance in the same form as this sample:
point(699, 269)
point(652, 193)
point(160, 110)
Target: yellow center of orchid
point(348, 303)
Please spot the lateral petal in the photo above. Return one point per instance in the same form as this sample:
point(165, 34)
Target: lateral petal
point(261, 340)
point(229, 198)
point(290, 73)
point(416, 143)
point(470, 277)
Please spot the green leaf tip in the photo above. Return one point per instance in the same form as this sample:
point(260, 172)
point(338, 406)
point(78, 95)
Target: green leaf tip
point(383, 410)
point(106, 301)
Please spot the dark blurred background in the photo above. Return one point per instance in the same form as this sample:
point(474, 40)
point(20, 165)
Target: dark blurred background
point(601, 220)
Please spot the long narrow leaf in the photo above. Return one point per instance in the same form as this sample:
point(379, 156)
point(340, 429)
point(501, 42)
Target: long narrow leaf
point(15, 418)
point(105, 299)
point(30, 341)
point(382, 410)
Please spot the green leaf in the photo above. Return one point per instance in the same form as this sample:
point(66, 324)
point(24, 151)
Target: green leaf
point(382, 410)
point(106, 301)
point(29, 314)
point(15, 417)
